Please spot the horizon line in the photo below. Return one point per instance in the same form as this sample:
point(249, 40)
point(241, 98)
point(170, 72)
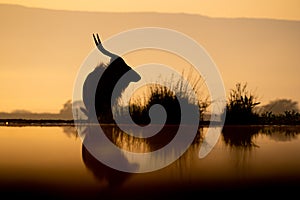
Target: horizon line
point(149, 12)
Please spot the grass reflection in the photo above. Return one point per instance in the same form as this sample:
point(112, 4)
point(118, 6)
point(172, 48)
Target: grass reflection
point(240, 136)
point(243, 136)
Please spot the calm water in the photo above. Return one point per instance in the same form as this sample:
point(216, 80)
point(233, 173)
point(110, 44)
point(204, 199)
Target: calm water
point(50, 162)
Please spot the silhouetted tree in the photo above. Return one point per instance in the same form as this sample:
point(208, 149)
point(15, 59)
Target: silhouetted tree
point(280, 106)
point(66, 111)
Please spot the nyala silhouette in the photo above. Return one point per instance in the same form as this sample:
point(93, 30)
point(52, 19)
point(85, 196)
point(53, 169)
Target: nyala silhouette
point(100, 98)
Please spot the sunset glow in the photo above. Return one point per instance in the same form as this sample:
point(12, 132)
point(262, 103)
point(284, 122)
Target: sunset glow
point(40, 56)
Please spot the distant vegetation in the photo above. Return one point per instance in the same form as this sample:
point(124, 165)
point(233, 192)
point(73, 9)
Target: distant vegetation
point(286, 118)
point(242, 108)
point(279, 106)
point(64, 114)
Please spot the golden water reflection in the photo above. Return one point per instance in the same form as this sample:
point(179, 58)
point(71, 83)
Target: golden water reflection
point(53, 160)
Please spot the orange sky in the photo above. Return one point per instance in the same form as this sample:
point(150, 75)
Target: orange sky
point(274, 9)
point(26, 87)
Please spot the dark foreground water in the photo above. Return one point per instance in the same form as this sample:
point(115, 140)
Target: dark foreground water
point(250, 161)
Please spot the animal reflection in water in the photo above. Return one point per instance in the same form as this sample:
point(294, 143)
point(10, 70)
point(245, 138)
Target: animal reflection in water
point(102, 172)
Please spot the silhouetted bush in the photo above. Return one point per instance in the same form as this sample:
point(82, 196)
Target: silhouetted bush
point(169, 98)
point(240, 106)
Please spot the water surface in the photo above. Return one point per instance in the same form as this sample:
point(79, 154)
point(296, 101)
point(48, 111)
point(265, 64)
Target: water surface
point(43, 161)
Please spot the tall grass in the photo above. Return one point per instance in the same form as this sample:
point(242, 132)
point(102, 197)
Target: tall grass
point(169, 95)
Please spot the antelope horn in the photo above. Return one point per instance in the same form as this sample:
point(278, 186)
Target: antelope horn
point(101, 48)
